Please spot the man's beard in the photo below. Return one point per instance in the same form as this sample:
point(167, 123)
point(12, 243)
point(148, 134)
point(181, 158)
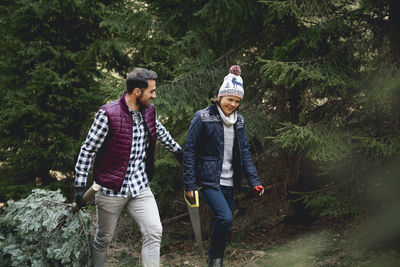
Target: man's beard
point(141, 103)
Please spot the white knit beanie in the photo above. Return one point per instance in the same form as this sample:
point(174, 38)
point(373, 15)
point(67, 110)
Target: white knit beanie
point(232, 84)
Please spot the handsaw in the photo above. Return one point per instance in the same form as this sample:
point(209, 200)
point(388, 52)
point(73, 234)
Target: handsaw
point(193, 207)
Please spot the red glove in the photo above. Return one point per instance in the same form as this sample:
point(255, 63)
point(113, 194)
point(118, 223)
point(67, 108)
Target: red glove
point(259, 190)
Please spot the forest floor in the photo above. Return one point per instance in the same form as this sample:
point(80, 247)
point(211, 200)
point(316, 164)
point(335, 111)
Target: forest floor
point(263, 234)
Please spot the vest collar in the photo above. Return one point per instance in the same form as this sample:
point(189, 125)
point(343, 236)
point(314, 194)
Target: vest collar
point(125, 108)
point(122, 103)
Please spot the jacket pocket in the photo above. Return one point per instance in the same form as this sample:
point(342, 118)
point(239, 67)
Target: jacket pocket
point(209, 168)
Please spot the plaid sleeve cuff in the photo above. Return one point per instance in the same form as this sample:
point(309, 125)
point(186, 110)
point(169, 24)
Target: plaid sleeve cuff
point(80, 181)
point(165, 138)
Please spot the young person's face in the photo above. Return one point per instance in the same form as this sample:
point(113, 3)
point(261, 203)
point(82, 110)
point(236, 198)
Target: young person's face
point(147, 94)
point(229, 103)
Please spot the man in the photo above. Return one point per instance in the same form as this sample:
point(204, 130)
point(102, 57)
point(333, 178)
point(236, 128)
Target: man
point(123, 138)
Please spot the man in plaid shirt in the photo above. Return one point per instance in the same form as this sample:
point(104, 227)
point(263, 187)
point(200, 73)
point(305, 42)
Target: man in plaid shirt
point(122, 141)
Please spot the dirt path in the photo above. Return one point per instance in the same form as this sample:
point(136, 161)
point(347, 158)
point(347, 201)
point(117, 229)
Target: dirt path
point(260, 236)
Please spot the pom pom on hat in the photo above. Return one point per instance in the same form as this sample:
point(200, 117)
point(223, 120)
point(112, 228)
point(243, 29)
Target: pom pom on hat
point(232, 84)
point(235, 69)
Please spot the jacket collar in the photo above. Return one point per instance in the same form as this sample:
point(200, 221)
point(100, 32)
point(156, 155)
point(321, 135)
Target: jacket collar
point(213, 110)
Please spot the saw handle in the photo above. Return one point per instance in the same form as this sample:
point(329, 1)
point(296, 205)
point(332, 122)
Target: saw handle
point(192, 202)
point(89, 194)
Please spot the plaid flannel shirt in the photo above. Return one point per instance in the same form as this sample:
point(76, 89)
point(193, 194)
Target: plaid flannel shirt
point(135, 177)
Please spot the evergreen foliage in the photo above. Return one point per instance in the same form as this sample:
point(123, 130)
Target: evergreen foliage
point(331, 70)
point(50, 53)
point(332, 203)
point(317, 143)
point(336, 79)
point(30, 235)
point(321, 79)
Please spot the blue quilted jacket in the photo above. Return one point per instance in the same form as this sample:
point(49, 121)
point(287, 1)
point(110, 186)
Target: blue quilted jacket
point(204, 151)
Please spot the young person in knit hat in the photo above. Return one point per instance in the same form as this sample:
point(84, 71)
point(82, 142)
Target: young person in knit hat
point(216, 154)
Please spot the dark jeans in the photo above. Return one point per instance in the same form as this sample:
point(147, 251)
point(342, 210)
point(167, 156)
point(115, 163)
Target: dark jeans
point(220, 201)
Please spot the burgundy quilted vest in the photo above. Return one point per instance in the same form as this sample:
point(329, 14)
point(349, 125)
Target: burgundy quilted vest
point(112, 159)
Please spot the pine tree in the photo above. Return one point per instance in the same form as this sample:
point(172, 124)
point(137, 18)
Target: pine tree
point(333, 80)
point(51, 55)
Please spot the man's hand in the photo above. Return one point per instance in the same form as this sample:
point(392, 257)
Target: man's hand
point(258, 190)
point(79, 192)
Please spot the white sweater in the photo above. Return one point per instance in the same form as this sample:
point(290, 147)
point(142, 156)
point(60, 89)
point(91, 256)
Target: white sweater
point(229, 135)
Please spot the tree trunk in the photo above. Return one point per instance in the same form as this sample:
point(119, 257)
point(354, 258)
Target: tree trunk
point(394, 30)
point(394, 38)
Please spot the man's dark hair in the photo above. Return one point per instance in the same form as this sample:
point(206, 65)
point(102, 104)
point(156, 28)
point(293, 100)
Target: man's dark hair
point(138, 79)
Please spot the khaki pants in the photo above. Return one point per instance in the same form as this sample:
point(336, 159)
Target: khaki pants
point(143, 209)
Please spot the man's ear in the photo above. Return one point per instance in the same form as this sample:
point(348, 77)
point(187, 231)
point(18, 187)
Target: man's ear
point(137, 92)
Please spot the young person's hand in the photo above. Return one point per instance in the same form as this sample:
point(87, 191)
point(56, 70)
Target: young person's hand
point(189, 194)
point(259, 190)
